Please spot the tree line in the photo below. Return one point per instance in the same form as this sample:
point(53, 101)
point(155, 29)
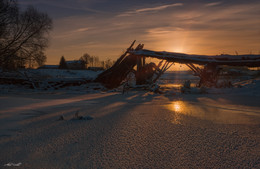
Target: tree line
point(23, 35)
point(94, 61)
point(88, 61)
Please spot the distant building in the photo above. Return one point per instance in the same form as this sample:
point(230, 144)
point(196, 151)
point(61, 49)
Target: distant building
point(73, 65)
point(76, 65)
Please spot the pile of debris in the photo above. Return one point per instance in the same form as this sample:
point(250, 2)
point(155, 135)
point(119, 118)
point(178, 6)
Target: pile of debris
point(145, 73)
point(208, 71)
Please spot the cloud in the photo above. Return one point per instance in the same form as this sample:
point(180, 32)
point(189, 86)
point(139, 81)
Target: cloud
point(153, 9)
point(162, 30)
point(213, 4)
point(158, 8)
point(81, 30)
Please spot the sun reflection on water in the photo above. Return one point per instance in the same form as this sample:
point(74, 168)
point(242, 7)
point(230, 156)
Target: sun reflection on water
point(215, 111)
point(179, 108)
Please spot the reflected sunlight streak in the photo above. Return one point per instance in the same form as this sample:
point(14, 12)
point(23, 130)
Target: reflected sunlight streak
point(177, 106)
point(179, 109)
point(216, 111)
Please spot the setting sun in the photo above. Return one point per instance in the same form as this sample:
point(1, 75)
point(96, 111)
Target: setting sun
point(178, 49)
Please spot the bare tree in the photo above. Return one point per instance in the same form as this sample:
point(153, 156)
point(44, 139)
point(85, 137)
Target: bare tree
point(25, 37)
point(91, 61)
point(86, 59)
point(103, 64)
point(8, 14)
point(96, 61)
point(108, 63)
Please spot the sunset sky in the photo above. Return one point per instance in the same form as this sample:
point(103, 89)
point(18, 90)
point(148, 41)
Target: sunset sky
point(105, 28)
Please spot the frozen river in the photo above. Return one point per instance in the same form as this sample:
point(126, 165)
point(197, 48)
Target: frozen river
point(134, 130)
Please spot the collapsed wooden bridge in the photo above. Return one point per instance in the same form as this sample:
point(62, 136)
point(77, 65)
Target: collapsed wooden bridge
point(114, 76)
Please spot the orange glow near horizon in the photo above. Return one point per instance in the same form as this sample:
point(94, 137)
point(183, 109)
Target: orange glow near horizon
point(178, 49)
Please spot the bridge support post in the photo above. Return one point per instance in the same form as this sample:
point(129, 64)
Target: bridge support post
point(140, 73)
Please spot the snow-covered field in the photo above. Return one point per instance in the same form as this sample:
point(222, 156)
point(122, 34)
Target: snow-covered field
point(138, 129)
point(49, 80)
point(53, 73)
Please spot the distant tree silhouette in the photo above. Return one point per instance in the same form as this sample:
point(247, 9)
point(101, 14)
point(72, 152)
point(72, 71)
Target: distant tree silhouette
point(91, 61)
point(23, 35)
point(63, 64)
point(94, 61)
point(108, 63)
point(86, 59)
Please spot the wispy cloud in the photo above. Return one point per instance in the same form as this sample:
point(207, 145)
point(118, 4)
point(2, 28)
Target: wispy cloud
point(81, 30)
point(158, 8)
point(162, 30)
point(213, 4)
point(73, 32)
point(152, 9)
